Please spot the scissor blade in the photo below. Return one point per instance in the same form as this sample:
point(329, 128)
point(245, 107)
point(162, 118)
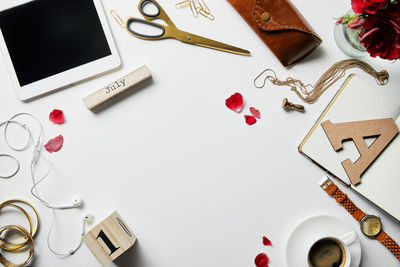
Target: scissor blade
point(205, 42)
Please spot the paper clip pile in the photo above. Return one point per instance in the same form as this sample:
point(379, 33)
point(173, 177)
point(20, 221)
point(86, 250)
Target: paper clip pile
point(26, 237)
point(197, 7)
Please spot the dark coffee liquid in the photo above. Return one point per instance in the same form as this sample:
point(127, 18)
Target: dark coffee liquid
point(325, 253)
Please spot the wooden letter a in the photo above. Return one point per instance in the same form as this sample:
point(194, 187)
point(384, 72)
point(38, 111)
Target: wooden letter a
point(383, 129)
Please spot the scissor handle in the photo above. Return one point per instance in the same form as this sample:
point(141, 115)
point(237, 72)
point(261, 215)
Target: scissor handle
point(144, 3)
point(159, 14)
point(129, 28)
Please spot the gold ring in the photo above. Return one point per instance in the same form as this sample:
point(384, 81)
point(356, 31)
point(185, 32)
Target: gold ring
point(26, 235)
point(9, 246)
point(32, 207)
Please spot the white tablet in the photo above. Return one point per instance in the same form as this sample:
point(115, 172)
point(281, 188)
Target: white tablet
point(49, 44)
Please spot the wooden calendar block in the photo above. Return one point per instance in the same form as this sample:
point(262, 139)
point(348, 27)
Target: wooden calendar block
point(117, 87)
point(109, 239)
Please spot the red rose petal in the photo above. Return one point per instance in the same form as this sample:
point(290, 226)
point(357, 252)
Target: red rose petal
point(261, 260)
point(250, 120)
point(57, 116)
point(235, 102)
point(54, 144)
point(266, 241)
point(255, 112)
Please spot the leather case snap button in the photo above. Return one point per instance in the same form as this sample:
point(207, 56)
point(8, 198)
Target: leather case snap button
point(265, 16)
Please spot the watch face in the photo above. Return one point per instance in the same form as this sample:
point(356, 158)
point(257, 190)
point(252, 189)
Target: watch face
point(371, 225)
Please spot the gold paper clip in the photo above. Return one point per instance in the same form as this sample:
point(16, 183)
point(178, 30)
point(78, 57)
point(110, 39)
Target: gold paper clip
point(117, 18)
point(197, 5)
point(182, 4)
point(204, 7)
point(193, 8)
point(205, 14)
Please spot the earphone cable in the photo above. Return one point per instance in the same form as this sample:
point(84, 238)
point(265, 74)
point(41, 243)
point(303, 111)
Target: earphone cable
point(8, 176)
point(26, 146)
point(34, 186)
point(72, 251)
point(30, 137)
point(36, 154)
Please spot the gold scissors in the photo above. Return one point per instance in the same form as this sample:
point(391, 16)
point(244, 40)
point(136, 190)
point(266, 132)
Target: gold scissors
point(171, 31)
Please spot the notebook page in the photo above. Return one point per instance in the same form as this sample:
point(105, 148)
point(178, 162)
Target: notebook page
point(380, 184)
point(358, 101)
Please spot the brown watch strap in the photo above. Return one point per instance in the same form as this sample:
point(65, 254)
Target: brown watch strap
point(343, 200)
point(358, 214)
point(389, 243)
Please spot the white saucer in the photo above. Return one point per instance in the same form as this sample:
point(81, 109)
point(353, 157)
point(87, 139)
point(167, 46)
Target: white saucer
point(302, 237)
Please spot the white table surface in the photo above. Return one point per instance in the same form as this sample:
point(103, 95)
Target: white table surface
point(196, 184)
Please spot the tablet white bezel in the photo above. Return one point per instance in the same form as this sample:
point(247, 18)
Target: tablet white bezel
point(68, 77)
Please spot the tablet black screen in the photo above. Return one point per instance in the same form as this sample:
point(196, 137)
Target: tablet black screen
point(46, 37)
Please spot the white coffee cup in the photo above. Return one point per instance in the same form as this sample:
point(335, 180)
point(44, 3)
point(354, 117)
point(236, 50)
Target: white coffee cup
point(331, 249)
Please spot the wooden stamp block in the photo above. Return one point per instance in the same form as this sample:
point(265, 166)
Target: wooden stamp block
point(109, 239)
point(117, 87)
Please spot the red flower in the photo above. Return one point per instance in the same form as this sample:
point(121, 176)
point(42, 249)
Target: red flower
point(250, 120)
point(235, 102)
point(57, 116)
point(261, 260)
point(381, 36)
point(54, 144)
point(368, 6)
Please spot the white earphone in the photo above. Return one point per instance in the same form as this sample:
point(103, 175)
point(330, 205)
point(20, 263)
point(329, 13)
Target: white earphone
point(87, 218)
point(77, 201)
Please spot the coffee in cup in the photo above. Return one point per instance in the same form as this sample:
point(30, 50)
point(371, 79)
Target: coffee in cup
point(327, 252)
point(331, 251)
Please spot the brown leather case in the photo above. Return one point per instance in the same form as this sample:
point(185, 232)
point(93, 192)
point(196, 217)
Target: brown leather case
point(281, 26)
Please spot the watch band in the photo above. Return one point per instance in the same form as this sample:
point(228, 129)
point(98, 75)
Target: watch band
point(358, 214)
point(389, 243)
point(342, 199)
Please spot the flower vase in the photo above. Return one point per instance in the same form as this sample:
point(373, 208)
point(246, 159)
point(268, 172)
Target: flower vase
point(348, 40)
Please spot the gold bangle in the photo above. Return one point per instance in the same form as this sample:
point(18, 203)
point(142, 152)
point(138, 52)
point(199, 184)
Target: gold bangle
point(31, 206)
point(9, 246)
point(26, 235)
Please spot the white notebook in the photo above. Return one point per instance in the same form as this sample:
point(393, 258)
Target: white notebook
point(357, 101)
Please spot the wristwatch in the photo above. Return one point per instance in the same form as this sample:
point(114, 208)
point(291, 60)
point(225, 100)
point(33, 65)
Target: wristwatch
point(370, 225)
